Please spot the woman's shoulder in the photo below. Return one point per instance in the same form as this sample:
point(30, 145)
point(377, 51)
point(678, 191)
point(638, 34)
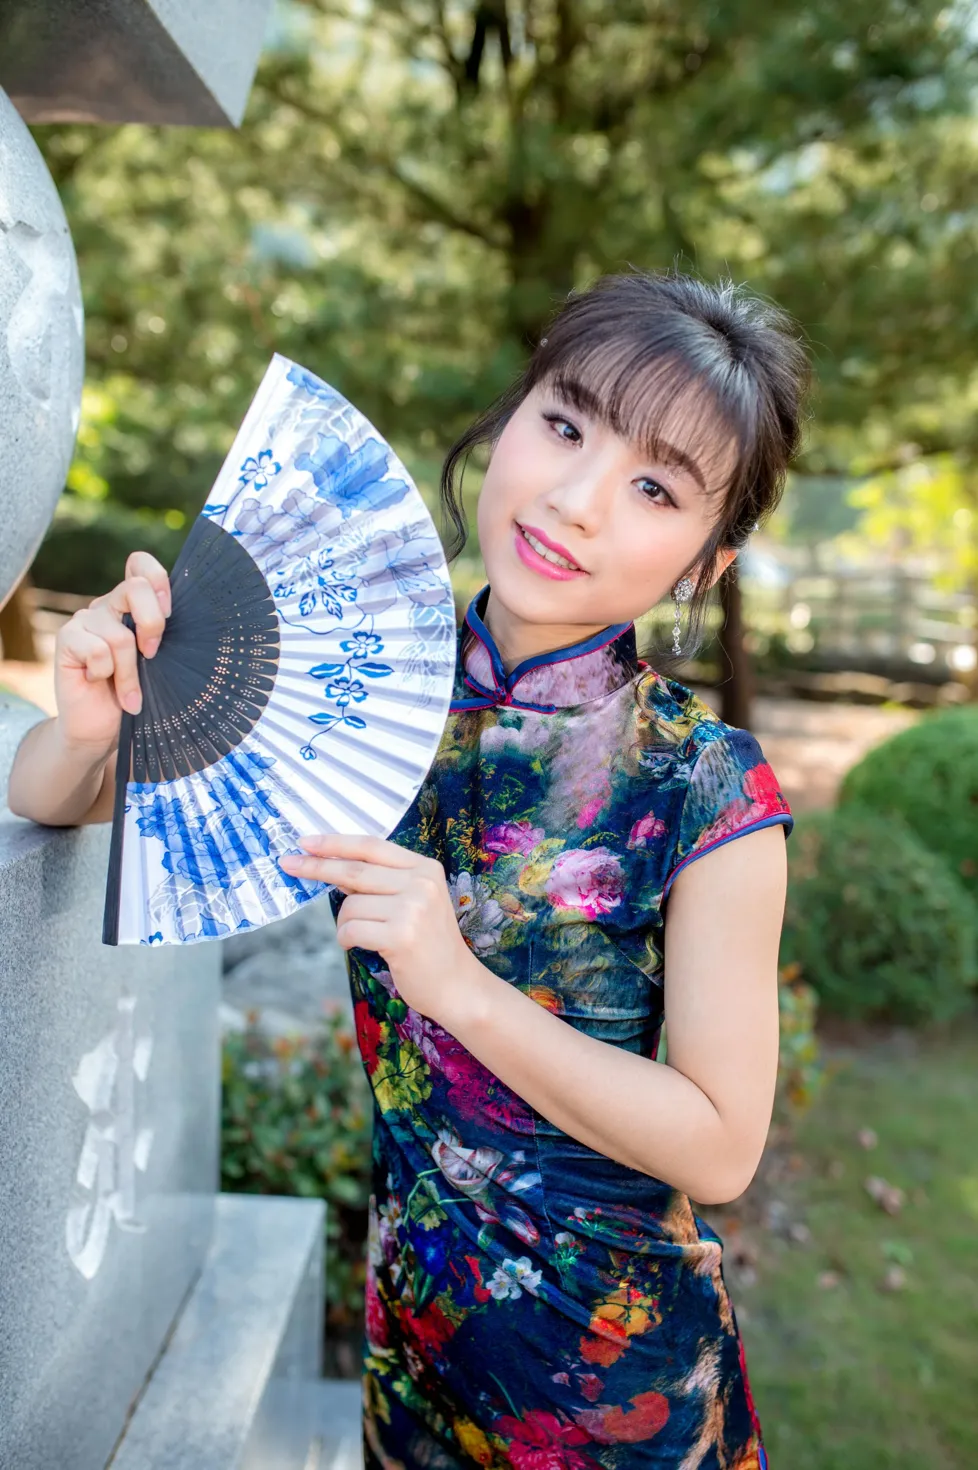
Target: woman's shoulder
point(676, 718)
point(721, 768)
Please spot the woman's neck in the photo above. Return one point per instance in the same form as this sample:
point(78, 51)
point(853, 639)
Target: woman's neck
point(518, 640)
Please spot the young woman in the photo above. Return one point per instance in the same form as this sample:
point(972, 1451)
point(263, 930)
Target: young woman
point(540, 1292)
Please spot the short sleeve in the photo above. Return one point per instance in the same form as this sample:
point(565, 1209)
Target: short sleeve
point(732, 790)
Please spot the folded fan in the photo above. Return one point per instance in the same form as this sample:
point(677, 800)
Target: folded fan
point(303, 679)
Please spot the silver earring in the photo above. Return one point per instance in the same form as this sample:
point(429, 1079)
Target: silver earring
point(682, 593)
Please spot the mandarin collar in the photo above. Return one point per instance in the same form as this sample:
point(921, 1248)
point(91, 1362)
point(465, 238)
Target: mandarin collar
point(587, 670)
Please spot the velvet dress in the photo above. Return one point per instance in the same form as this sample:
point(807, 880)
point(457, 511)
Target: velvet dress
point(530, 1302)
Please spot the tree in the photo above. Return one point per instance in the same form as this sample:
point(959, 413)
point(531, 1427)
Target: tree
point(418, 184)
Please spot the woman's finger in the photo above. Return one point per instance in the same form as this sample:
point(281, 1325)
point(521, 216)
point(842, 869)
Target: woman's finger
point(375, 908)
point(361, 934)
point(355, 848)
point(141, 564)
point(138, 597)
point(86, 651)
point(123, 646)
point(345, 873)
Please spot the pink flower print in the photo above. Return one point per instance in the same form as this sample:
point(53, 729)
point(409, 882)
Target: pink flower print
point(590, 810)
point(599, 785)
point(590, 880)
point(512, 837)
point(646, 830)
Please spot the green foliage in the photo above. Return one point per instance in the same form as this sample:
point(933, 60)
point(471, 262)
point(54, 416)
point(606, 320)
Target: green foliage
point(86, 548)
point(877, 923)
point(928, 775)
point(415, 186)
point(801, 1073)
point(296, 1119)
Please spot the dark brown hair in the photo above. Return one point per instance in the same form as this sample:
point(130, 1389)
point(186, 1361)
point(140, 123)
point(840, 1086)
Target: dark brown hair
point(630, 347)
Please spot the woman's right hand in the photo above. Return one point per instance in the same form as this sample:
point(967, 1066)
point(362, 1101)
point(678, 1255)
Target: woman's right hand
point(95, 675)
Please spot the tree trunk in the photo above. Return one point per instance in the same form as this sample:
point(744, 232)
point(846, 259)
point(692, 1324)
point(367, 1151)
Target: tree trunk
point(736, 673)
point(16, 628)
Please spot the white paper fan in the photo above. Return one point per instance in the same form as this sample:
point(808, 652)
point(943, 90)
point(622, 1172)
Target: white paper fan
point(303, 680)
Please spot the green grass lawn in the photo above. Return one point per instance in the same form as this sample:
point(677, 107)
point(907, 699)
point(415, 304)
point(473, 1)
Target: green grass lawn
point(854, 1377)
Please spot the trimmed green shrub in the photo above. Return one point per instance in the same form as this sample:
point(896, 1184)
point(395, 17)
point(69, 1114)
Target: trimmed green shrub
point(928, 775)
point(296, 1118)
point(877, 922)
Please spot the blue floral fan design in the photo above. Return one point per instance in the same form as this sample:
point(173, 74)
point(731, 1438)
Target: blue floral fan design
point(303, 680)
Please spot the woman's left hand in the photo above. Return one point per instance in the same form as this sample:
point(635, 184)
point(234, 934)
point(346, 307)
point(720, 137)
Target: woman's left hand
point(399, 905)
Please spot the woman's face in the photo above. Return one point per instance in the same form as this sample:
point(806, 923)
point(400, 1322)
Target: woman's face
point(563, 483)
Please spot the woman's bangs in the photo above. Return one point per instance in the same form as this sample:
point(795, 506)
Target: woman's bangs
point(666, 405)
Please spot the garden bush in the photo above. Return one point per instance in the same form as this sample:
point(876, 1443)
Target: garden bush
point(86, 548)
point(801, 1072)
point(296, 1119)
point(928, 775)
point(878, 923)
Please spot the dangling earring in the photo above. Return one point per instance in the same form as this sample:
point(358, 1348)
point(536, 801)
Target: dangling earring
point(682, 593)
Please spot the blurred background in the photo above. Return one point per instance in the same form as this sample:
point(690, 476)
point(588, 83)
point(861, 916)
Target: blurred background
point(415, 187)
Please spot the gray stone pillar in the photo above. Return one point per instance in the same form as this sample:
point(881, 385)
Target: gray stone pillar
point(41, 347)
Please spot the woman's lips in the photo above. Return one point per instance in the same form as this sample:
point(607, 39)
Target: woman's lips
point(538, 563)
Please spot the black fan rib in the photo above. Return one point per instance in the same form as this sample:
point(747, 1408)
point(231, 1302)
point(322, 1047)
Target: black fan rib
point(215, 668)
point(209, 682)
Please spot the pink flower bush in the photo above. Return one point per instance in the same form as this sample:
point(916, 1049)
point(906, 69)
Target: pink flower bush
point(646, 830)
point(590, 880)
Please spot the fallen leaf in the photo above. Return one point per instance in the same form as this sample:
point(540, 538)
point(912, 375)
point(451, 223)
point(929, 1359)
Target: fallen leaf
point(888, 1196)
point(866, 1138)
point(828, 1279)
point(799, 1232)
point(895, 1279)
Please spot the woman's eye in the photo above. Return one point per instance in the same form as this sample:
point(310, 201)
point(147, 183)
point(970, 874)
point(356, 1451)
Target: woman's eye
point(655, 492)
point(564, 428)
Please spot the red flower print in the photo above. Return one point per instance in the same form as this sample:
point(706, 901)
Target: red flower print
point(369, 1032)
point(377, 1334)
point(599, 1350)
point(611, 1424)
point(761, 787)
point(429, 1332)
point(541, 1441)
point(481, 1293)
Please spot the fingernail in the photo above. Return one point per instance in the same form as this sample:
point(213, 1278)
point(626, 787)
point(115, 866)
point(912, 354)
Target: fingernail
point(151, 647)
point(133, 702)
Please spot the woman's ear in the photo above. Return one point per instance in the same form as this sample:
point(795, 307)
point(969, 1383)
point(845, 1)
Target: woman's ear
point(723, 561)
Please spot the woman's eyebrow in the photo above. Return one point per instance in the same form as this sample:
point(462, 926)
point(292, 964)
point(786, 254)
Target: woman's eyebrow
point(669, 454)
point(586, 401)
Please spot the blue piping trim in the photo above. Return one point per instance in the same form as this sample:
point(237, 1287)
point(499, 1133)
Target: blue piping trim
point(506, 684)
point(781, 819)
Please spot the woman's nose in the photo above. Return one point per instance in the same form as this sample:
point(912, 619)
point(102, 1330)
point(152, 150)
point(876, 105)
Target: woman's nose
point(580, 499)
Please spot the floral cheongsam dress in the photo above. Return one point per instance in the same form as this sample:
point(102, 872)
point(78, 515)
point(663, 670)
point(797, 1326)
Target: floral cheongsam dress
point(530, 1302)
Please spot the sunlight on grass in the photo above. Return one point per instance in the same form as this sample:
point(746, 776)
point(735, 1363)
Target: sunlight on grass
point(853, 1376)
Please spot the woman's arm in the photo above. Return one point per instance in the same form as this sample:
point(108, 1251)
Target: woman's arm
point(58, 783)
point(64, 770)
point(699, 1122)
